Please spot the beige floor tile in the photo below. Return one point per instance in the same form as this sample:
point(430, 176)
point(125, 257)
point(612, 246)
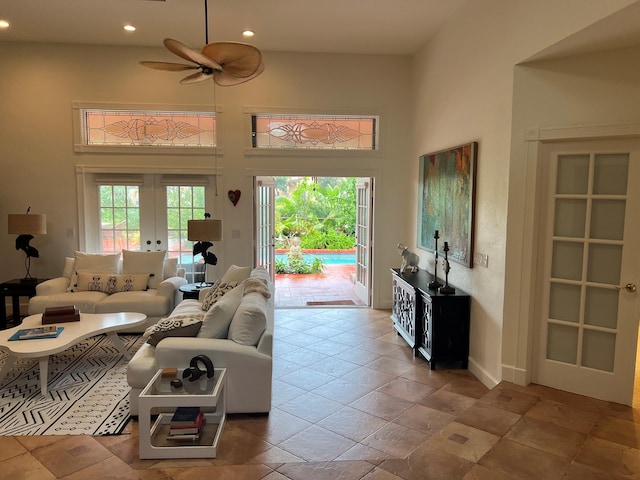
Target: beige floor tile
point(25, 466)
point(343, 391)
point(468, 386)
point(274, 428)
point(547, 437)
point(448, 402)
point(480, 472)
point(488, 418)
point(577, 471)
point(10, 447)
point(317, 444)
point(524, 462)
point(510, 399)
point(428, 464)
point(610, 457)
point(231, 472)
point(425, 419)
point(352, 423)
point(382, 405)
point(70, 455)
point(348, 470)
point(463, 441)
point(581, 421)
point(311, 407)
point(362, 452)
point(618, 431)
point(395, 440)
point(407, 389)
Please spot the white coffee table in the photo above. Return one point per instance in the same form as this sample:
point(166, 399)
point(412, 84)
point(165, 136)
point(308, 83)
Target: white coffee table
point(90, 324)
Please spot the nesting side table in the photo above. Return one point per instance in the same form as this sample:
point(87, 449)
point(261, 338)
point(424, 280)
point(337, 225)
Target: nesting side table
point(158, 398)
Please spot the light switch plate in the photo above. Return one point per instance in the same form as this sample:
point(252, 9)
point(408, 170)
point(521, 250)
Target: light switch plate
point(481, 259)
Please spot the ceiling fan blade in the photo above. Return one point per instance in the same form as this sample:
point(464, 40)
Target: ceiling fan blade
point(239, 60)
point(180, 49)
point(195, 78)
point(225, 80)
point(171, 67)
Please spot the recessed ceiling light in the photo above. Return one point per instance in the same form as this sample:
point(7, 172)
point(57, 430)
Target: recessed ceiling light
point(4, 24)
point(129, 28)
point(247, 33)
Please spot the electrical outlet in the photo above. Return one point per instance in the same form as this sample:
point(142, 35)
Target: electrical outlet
point(235, 233)
point(481, 259)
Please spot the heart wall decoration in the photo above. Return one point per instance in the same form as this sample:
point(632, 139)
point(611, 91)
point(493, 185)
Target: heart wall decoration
point(234, 196)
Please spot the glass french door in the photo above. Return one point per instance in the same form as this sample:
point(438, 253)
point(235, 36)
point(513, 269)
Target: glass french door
point(264, 209)
point(148, 213)
point(364, 215)
point(588, 320)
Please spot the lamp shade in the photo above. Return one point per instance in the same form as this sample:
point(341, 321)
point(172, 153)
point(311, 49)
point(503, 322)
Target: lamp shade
point(204, 230)
point(28, 223)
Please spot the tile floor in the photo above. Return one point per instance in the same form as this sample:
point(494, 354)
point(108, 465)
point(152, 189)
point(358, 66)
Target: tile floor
point(351, 402)
point(334, 284)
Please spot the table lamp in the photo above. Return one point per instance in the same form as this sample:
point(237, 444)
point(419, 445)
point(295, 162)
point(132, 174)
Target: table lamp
point(204, 232)
point(26, 226)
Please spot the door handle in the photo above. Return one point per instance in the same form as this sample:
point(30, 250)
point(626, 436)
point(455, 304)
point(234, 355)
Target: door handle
point(629, 287)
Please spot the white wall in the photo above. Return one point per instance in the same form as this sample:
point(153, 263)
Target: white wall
point(39, 83)
point(600, 89)
point(463, 86)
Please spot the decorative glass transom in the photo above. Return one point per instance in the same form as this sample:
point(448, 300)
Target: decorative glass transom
point(137, 127)
point(314, 132)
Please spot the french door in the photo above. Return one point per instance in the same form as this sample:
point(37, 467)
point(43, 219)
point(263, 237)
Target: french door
point(586, 335)
point(146, 212)
point(264, 212)
point(364, 216)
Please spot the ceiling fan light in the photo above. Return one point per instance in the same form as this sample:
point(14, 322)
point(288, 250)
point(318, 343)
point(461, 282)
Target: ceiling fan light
point(129, 28)
point(4, 24)
point(247, 33)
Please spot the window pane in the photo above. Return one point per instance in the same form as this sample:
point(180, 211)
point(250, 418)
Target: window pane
point(317, 132)
point(132, 127)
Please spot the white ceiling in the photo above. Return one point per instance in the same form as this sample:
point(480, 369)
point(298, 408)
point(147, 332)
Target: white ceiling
point(389, 27)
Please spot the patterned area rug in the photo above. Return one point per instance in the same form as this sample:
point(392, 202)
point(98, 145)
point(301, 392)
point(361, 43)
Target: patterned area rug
point(88, 391)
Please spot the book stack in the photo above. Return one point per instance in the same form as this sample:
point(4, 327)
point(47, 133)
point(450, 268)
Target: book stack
point(64, 314)
point(49, 331)
point(186, 424)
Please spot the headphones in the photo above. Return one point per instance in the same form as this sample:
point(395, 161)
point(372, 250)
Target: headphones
point(194, 372)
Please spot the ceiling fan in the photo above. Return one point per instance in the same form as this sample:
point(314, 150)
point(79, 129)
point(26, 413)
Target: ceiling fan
point(228, 63)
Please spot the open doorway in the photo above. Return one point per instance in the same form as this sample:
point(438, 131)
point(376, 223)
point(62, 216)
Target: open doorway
point(320, 247)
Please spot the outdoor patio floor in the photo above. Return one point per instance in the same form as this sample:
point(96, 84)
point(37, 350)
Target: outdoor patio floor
point(334, 286)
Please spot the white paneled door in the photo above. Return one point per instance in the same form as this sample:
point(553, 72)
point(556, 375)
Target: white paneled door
point(364, 216)
point(590, 259)
point(264, 209)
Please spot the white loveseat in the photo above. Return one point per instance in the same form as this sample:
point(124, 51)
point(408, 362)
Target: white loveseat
point(235, 332)
point(143, 282)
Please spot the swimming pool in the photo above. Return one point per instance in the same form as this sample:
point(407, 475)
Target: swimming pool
point(329, 258)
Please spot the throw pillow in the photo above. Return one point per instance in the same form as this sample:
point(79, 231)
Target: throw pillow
point(258, 285)
point(216, 292)
point(68, 270)
point(172, 327)
point(93, 263)
point(236, 274)
point(170, 268)
point(249, 321)
point(144, 262)
point(108, 283)
point(215, 323)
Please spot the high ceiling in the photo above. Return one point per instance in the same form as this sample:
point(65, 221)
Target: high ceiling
point(389, 27)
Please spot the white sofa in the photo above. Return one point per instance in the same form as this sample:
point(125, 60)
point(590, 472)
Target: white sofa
point(236, 333)
point(151, 282)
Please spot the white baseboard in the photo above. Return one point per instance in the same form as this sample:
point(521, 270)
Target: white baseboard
point(517, 376)
point(481, 374)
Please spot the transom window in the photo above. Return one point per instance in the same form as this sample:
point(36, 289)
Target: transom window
point(314, 132)
point(148, 128)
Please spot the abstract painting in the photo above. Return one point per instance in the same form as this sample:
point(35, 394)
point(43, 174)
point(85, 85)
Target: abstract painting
point(446, 201)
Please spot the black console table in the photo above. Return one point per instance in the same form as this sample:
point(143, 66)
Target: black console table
point(434, 325)
point(15, 289)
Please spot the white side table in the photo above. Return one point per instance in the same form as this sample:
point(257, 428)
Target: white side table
point(158, 398)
